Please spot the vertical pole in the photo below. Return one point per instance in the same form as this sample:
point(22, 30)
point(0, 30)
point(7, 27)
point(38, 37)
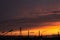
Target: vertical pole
point(58, 34)
point(11, 33)
point(20, 31)
point(28, 32)
point(39, 33)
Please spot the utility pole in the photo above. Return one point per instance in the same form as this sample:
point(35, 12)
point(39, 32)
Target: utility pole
point(28, 32)
point(20, 31)
point(58, 34)
point(39, 33)
point(11, 33)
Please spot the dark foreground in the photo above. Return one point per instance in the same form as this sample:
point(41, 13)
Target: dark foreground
point(28, 38)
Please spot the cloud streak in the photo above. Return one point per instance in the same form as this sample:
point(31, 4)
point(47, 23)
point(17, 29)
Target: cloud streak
point(30, 22)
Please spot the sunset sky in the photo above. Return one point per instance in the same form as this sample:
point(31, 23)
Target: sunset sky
point(35, 15)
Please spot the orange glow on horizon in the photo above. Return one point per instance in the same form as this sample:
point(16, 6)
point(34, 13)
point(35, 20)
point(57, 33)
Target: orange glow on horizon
point(45, 30)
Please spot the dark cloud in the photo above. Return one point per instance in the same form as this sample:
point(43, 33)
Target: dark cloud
point(15, 9)
point(28, 13)
point(56, 11)
point(30, 22)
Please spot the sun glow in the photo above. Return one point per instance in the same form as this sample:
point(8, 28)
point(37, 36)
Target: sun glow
point(44, 30)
